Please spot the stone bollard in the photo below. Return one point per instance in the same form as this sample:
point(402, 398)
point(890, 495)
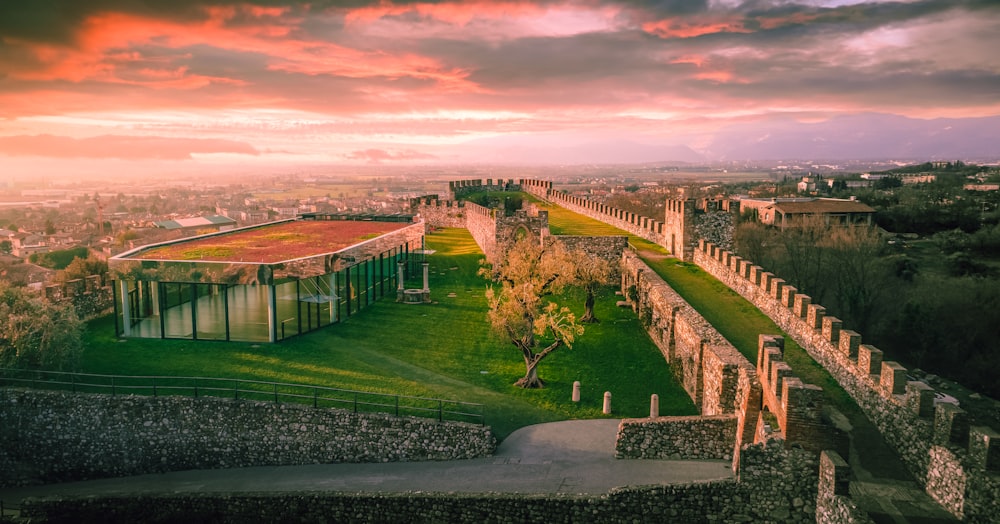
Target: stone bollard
point(607, 402)
point(576, 391)
point(654, 406)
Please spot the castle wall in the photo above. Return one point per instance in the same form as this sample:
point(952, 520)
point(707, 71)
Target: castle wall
point(481, 223)
point(89, 296)
point(705, 363)
point(949, 458)
point(439, 213)
point(58, 436)
point(632, 223)
point(833, 501)
point(777, 485)
point(677, 438)
point(460, 188)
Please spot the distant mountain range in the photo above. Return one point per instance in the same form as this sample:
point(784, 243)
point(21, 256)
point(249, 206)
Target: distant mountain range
point(854, 137)
point(867, 136)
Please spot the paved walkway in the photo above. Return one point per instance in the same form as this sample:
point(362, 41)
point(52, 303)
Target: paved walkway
point(571, 457)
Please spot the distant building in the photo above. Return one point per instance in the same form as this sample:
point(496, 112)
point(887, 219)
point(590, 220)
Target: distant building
point(26, 244)
point(213, 222)
point(918, 178)
point(807, 184)
point(789, 212)
point(981, 187)
point(849, 184)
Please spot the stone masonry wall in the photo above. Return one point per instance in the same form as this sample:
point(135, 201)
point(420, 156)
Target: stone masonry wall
point(951, 459)
point(833, 501)
point(56, 436)
point(677, 438)
point(640, 226)
point(706, 364)
point(482, 225)
point(780, 487)
point(439, 213)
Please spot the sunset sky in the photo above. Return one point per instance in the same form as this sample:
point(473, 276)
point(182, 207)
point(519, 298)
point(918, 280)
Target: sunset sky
point(285, 82)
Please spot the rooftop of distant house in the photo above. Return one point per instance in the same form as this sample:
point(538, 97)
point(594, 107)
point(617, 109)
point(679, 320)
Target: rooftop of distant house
point(823, 205)
point(270, 243)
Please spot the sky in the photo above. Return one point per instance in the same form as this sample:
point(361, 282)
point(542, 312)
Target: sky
point(122, 84)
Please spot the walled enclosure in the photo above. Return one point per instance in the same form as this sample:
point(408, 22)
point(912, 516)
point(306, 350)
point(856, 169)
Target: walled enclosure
point(58, 436)
point(771, 492)
point(958, 465)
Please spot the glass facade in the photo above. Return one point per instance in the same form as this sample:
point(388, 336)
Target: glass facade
point(244, 302)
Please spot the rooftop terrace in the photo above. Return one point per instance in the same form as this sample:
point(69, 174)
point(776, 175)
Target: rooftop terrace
point(270, 243)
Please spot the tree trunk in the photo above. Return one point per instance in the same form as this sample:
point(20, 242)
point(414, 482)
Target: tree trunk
point(588, 314)
point(530, 379)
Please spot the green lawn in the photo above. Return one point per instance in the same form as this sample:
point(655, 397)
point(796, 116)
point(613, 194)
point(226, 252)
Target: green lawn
point(736, 319)
point(441, 350)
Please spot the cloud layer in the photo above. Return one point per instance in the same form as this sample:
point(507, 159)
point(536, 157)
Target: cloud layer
point(414, 81)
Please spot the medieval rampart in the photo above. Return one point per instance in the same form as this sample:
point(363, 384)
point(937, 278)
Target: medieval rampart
point(89, 296)
point(459, 188)
point(677, 438)
point(958, 465)
point(57, 436)
point(439, 213)
point(640, 226)
point(776, 485)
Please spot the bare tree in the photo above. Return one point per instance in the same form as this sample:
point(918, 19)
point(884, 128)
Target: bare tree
point(524, 276)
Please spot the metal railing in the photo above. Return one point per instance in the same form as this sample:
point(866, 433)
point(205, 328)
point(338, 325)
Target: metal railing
point(235, 388)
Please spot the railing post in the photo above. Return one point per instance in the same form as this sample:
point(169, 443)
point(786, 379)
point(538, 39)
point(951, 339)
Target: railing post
point(154, 387)
point(440, 411)
point(314, 399)
point(112, 386)
point(275, 393)
point(355, 401)
point(397, 405)
point(236, 390)
point(72, 380)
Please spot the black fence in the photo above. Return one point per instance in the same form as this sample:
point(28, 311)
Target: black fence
point(196, 387)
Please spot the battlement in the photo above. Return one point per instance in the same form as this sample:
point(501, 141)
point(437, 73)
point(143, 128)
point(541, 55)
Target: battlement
point(460, 188)
point(797, 406)
point(924, 434)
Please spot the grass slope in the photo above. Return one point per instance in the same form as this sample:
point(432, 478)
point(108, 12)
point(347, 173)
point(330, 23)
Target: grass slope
point(442, 350)
point(736, 319)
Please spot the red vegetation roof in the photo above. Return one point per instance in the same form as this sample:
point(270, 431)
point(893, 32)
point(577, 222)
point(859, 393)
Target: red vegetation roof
point(274, 243)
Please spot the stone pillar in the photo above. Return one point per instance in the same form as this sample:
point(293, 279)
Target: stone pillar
point(427, 283)
point(607, 402)
point(399, 280)
point(126, 313)
point(654, 406)
point(576, 391)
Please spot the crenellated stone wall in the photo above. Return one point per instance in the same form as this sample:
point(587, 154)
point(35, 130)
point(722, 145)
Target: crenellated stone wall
point(89, 296)
point(459, 188)
point(833, 501)
point(957, 464)
point(58, 436)
point(439, 213)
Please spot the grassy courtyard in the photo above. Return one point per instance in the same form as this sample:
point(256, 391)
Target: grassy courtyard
point(441, 350)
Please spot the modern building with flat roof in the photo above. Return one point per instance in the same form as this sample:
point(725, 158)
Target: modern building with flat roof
point(262, 283)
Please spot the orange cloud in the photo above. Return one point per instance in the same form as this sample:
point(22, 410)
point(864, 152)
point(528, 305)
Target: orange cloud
point(105, 52)
point(689, 28)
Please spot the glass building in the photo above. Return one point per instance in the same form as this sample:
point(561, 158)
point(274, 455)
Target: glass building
point(262, 283)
